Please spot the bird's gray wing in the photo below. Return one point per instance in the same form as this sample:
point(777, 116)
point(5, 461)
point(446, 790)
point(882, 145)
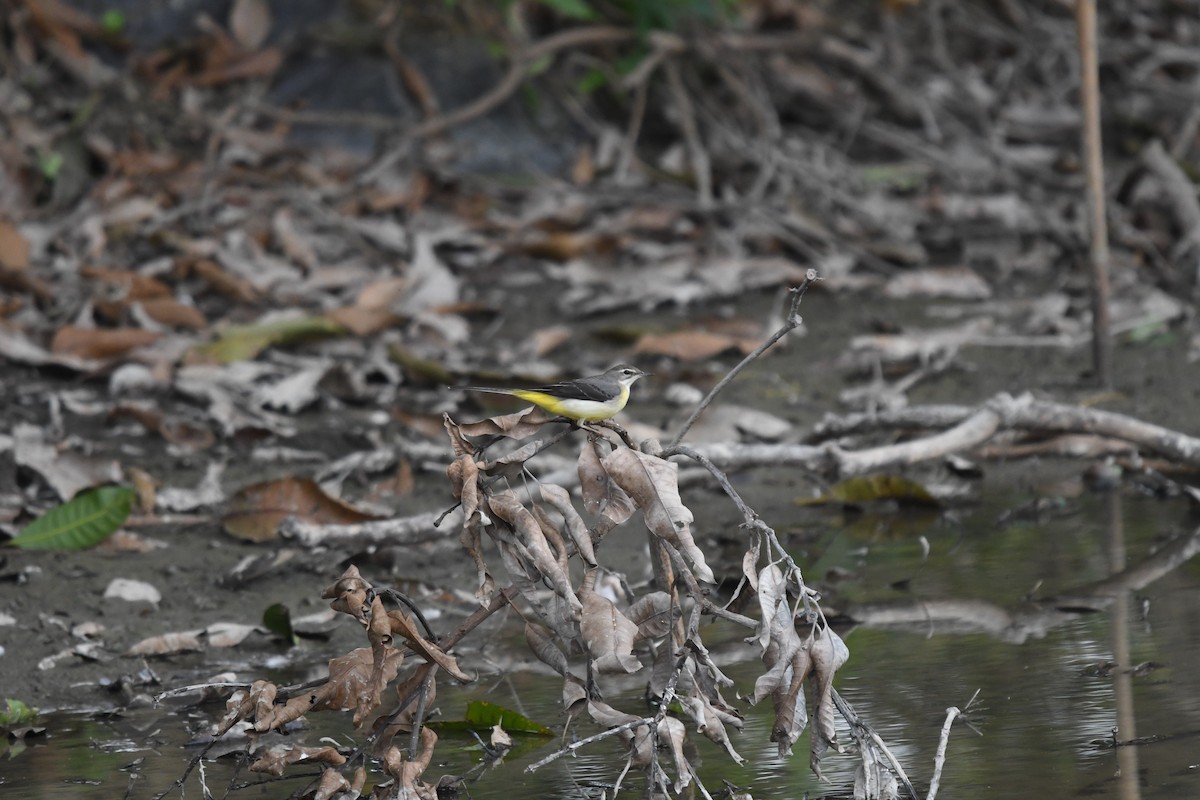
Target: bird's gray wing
point(598, 389)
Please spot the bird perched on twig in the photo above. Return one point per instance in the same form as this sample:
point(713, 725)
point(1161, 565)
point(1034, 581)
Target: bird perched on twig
point(589, 399)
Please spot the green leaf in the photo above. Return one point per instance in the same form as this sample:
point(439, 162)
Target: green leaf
point(482, 715)
point(574, 9)
point(592, 80)
point(243, 342)
point(112, 21)
point(539, 65)
point(872, 488)
point(86, 520)
point(278, 620)
point(50, 164)
point(16, 713)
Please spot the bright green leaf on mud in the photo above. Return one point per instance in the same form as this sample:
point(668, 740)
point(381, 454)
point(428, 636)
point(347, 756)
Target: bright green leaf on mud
point(574, 9)
point(50, 164)
point(86, 520)
point(872, 489)
point(592, 80)
point(482, 715)
point(113, 21)
point(244, 342)
point(16, 713)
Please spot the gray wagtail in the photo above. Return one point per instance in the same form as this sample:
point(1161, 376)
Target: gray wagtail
point(589, 399)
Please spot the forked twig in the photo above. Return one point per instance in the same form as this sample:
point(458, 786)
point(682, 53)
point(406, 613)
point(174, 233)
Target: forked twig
point(792, 322)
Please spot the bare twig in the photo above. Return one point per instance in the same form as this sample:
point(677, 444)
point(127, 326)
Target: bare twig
point(792, 322)
point(572, 37)
point(701, 166)
point(667, 696)
point(1179, 188)
point(864, 733)
point(1085, 20)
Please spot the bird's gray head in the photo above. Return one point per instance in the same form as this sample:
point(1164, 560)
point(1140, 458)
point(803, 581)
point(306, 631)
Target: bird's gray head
point(625, 374)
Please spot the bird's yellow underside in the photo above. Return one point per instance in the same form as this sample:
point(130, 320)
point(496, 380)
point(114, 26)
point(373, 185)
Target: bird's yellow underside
point(586, 410)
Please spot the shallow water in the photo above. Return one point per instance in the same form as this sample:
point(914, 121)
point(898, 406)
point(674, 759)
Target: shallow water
point(972, 614)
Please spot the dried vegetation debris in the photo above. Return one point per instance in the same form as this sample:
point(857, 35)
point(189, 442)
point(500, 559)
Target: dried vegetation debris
point(209, 282)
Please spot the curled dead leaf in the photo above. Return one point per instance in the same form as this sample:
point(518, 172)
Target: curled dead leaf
point(100, 343)
point(256, 512)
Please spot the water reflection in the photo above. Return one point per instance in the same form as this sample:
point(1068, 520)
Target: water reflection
point(962, 621)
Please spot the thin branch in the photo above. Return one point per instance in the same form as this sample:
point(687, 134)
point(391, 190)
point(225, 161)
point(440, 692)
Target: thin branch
point(865, 733)
point(512, 80)
point(1085, 20)
point(701, 165)
point(792, 322)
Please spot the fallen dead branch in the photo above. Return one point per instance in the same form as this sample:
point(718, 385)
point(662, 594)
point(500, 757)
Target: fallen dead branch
point(968, 428)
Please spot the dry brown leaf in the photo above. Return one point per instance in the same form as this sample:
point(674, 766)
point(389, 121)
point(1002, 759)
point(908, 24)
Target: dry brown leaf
point(959, 283)
point(135, 285)
point(583, 171)
point(100, 343)
point(463, 473)
point(141, 163)
point(259, 64)
point(172, 429)
point(708, 722)
point(169, 311)
point(124, 541)
point(293, 243)
point(520, 425)
point(277, 758)
point(145, 486)
point(533, 542)
point(560, 499)
point(372, 309)
point(827, 654)
point(167, 644)
point(333, 783)
point(653, 483)
point(602, 497)
point(674, 732)
point(349, 594)
point(609, 635)
point(402, 625)
point(354, 682)
point(653, 613)
point(14, 248)
point(223, 282)
point(547, 340)
point(256, 512)
point(408, 773)
point(568, 245)
point(363, 321)
point(692, 345)
point(542, 645)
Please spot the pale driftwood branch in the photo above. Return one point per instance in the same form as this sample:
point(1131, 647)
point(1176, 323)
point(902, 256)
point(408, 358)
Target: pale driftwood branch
point(405, 530)
point(972, 427)
point(939, 760)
